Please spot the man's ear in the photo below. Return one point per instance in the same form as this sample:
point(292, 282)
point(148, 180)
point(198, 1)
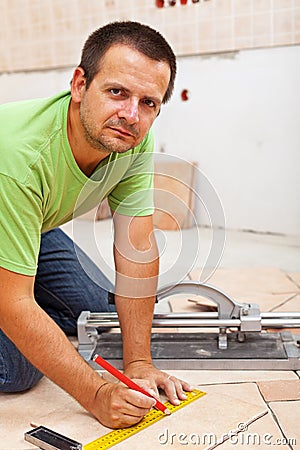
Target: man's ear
point(78, 84)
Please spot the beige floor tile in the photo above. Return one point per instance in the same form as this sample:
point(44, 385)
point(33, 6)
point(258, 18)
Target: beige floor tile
point(48, 405)
point(218, 412)
point(207, 419)
point(262, 434)
point(196, 377)
point(292, 304)
point(188, 303)
point(267, 286)
point(287, 414)
point(247, 394)
point(295, 277)
point(277, 390)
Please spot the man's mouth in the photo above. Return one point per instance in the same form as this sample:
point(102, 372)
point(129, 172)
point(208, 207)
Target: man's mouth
point(122, 132)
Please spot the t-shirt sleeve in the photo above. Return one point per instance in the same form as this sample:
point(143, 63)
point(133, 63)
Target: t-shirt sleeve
point(133, 195)
point(20, 226)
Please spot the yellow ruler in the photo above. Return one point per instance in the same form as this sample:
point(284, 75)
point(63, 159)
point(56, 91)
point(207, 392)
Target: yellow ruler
point(117, 436)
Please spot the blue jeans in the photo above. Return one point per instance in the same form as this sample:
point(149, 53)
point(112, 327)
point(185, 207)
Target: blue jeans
point(63, 289)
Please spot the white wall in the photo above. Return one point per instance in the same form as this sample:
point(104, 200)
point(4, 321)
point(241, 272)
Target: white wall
point(26, 85)
point(241, 124)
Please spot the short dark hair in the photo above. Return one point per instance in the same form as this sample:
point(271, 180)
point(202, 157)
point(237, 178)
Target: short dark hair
point(134, 34)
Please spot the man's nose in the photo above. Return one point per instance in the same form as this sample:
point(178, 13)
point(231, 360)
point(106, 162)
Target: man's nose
point(130, 110)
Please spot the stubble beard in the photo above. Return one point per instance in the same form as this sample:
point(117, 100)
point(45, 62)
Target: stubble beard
point(102, 142)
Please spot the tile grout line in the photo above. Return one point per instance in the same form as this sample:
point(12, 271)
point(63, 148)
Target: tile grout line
point(294, 294)
point(292, 280)
point(275, 418)
point(284, 302)
point(258, 416)
point(279, 426)
point(238, 429)
point(244, 381)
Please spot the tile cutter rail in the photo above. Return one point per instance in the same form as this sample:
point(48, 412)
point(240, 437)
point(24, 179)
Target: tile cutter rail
point(240, 341)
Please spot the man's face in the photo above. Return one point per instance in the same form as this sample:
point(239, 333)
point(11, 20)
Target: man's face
point(123, 99)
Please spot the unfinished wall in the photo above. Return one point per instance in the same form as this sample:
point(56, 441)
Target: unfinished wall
point(42, 34)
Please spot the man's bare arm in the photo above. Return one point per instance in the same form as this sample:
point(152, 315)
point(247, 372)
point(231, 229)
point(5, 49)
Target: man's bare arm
point(137, 264)
point(44, 344)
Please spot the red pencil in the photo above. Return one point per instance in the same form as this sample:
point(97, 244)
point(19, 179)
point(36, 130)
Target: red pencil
point(129, 383)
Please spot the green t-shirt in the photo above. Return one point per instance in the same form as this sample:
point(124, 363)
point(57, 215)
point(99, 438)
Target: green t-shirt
point(42, 187)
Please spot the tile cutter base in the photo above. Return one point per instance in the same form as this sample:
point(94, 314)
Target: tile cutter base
point(194, 351)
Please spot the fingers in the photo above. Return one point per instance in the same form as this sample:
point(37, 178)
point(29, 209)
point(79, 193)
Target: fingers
point(149, 387)
point(120, 407)
point(131, 407)
point(187, 387)
point(138, 404)
point(174, 389)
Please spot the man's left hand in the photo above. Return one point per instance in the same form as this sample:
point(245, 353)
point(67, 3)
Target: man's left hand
point(173, 387)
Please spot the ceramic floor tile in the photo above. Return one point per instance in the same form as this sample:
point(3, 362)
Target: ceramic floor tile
point(48, 405)
point(267, 286)
point(278, 390)
point(196, 377)
point(295, 277)
point(287, 414)
point(173, 184)
point(188, 303)
point(263, 433)
point(204, 422)
point(292, 304)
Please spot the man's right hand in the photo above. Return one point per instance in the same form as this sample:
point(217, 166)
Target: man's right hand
point(117, 406)
point(45, 345)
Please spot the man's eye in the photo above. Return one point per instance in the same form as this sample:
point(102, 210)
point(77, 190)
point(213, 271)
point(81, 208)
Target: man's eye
point(115, 91)
point(150, 103)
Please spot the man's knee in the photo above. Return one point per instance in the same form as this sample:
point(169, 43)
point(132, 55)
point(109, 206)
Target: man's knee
point(16, 372)
point(14, 382)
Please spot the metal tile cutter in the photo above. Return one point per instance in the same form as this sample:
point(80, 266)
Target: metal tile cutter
point(238, 340)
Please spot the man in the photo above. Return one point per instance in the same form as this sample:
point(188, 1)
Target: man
point(59, 157)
